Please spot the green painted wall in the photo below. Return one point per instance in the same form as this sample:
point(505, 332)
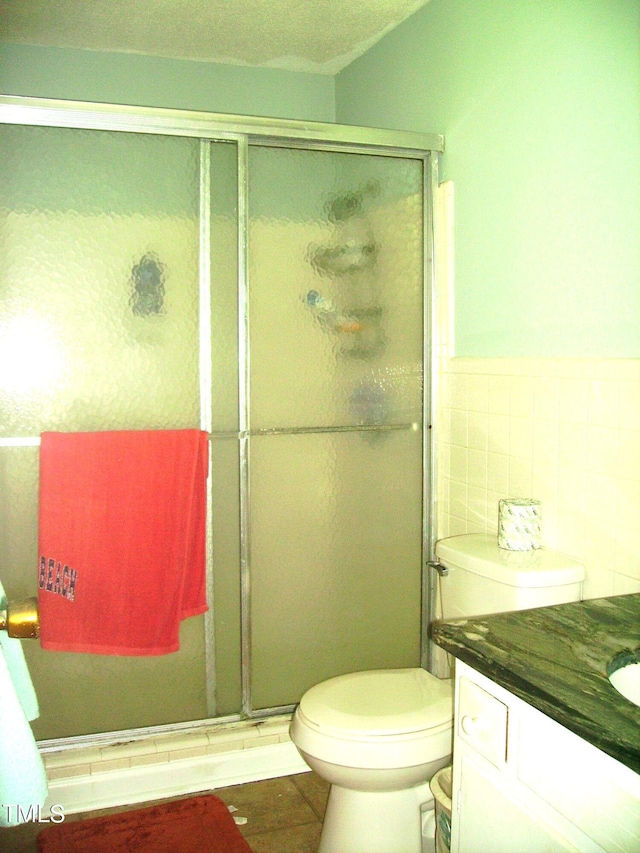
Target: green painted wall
point(539, 101)
point(119, 78)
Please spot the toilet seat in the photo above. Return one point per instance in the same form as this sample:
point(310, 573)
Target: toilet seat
point(380, 719)
point(378, 703)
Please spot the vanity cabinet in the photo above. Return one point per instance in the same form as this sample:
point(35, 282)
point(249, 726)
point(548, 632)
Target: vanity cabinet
point(523, 783)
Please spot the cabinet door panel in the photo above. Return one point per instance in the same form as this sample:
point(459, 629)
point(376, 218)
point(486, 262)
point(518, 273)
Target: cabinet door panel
point(490, 819)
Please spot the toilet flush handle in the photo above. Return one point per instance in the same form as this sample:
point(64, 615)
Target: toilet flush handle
point(443, 571)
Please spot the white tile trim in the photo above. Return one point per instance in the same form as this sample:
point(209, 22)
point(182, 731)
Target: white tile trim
point(155, 768)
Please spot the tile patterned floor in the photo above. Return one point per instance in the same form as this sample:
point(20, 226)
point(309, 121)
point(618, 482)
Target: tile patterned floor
point(283, 815)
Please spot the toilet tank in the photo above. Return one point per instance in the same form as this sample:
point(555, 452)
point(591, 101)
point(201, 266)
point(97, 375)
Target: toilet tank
point(483, 578)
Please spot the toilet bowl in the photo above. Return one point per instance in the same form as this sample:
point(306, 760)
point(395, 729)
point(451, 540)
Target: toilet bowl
point(377, 737)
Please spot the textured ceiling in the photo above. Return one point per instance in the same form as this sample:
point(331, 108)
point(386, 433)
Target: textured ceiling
point(320, 36)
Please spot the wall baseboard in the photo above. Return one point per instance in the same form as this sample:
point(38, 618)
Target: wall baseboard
point(141, 784)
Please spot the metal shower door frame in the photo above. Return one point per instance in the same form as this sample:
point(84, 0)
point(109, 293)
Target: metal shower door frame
point(244, 131)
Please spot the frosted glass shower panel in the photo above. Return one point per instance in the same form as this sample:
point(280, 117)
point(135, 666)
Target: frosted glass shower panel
point(335, 558)
point(99, 282)
point(99, 305)
point(75, 691)
point(225, 467)
point(224, 286)
point(19, 479)
point(85, 694)
point(336, 284)
point(225, 544)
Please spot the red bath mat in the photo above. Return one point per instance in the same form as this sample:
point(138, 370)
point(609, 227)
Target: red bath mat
point(194, 825)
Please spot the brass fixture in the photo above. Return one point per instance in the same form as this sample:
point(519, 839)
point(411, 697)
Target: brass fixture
point(20, 618)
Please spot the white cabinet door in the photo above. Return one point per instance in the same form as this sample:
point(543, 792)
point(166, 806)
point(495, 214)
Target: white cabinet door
point(524, 784)
point(490, 820)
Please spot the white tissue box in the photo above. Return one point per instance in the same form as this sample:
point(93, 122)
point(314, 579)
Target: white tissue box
point(519, 524)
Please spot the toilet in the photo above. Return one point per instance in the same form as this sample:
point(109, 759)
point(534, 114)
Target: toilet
point(379, 736)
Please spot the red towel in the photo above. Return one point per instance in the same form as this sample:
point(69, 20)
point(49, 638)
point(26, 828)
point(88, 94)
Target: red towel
point(122, 539)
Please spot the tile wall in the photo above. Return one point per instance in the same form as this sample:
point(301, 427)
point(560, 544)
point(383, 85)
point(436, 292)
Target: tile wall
point(563, 431)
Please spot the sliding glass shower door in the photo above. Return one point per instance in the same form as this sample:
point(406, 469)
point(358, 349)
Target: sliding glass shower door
point(334, 406)
point(271, 293)
point(99, 330)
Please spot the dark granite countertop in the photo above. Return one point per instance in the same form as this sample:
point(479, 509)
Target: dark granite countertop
point(555, 659)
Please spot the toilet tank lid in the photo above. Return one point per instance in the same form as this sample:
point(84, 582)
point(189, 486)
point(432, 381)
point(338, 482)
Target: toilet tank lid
point(480, 553)
point(379, 702)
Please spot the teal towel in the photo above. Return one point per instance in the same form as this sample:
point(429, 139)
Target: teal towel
point(14, 657)
point(23, 780)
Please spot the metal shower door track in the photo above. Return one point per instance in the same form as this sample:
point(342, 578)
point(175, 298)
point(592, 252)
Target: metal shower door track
point(93, 116)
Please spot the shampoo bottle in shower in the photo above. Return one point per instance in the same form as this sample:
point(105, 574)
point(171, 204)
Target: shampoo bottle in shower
point(329, 316)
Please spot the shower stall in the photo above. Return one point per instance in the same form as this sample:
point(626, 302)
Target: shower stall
point(268, 282)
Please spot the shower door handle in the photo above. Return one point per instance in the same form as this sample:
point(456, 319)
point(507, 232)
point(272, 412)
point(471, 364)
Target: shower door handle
point(20, 618)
